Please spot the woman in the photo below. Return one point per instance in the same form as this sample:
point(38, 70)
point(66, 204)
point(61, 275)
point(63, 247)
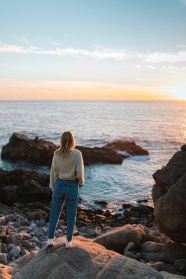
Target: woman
point(66, 175)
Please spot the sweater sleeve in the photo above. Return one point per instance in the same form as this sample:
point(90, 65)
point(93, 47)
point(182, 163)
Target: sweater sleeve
point(80, 170)
point(53, 175)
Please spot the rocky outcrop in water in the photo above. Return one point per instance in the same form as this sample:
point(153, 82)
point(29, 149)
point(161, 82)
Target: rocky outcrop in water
point(129, 146)
point(40, 152)
point(169, 196)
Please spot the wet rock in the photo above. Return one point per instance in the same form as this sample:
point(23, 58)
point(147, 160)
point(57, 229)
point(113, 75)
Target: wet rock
point(142, 209)
point(40, 152)
point(129, 146)
point(101, 202)
point(129, 213)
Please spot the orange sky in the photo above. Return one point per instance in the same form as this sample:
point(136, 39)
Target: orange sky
point(68, 90)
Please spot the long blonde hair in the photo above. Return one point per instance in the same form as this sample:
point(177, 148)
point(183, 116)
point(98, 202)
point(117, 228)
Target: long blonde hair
point(67, 143)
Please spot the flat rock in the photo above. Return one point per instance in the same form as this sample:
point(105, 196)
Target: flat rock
point(86, 259)
point(117, 239)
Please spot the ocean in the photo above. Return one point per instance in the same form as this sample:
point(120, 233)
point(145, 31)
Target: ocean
point(158, 126)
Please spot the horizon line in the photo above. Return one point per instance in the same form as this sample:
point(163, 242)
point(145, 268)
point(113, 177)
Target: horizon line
point(88, 100)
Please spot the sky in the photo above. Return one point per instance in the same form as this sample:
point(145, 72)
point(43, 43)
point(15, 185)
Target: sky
point(92, 49)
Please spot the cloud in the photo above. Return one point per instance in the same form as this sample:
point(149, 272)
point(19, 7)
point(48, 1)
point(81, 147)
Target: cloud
point(70, 51)
point(159, 57)
point(100, 54)
point(183, 2)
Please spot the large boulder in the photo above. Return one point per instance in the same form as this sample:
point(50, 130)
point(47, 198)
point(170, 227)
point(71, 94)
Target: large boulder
point(40, 152)
point(169, 196)
point(37, 151)
point(117, 239)
point(23, 186)
point(86, 259)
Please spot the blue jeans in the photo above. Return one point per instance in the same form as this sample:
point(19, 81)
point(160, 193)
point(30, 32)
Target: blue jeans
point(64, 189)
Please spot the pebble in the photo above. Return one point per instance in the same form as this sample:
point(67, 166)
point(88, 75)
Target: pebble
point(3, 258)
point(15, 252)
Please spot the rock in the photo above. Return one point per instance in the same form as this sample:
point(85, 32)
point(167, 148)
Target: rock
point(166, 275)
point(23, 186)
point(10, 218)
point(28, 244)
point(3, 233)
point(130, 213)
point(130, 247)
point(159, 266)
point(40, 152)
point(24, 260)
point(86, 259)
point(101, 202)
point(142, 209)
point(16, 238)
point(36, 215)
point(3, 248)
point(173, 251)
point(180, 265)
point(2, 219)
point(117, 239)
point(169, 195)
point(20, 147)
point(183, 148)
point(100, 155)
point(129, 146)
point(14, 252)
point(151, 252)
point(3, 258)
point(5, 273)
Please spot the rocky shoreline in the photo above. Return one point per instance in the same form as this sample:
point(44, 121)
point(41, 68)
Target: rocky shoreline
point(150, 240)
point(132, 233)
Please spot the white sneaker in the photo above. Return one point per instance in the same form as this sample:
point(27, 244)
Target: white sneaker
point(68, 244)
point(50, 242)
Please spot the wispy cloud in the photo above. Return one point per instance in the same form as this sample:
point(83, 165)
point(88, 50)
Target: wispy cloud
point(100, 54)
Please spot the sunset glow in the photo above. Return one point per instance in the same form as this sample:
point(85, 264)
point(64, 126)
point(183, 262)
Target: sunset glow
point(80, 52)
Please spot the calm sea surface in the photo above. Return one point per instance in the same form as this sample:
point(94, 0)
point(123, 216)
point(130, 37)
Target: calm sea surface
point(159, 127)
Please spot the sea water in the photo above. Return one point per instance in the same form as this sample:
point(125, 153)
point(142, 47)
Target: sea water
point(158, 126)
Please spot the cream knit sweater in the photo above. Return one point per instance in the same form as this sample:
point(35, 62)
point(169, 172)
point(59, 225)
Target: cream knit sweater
point(69, 166)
